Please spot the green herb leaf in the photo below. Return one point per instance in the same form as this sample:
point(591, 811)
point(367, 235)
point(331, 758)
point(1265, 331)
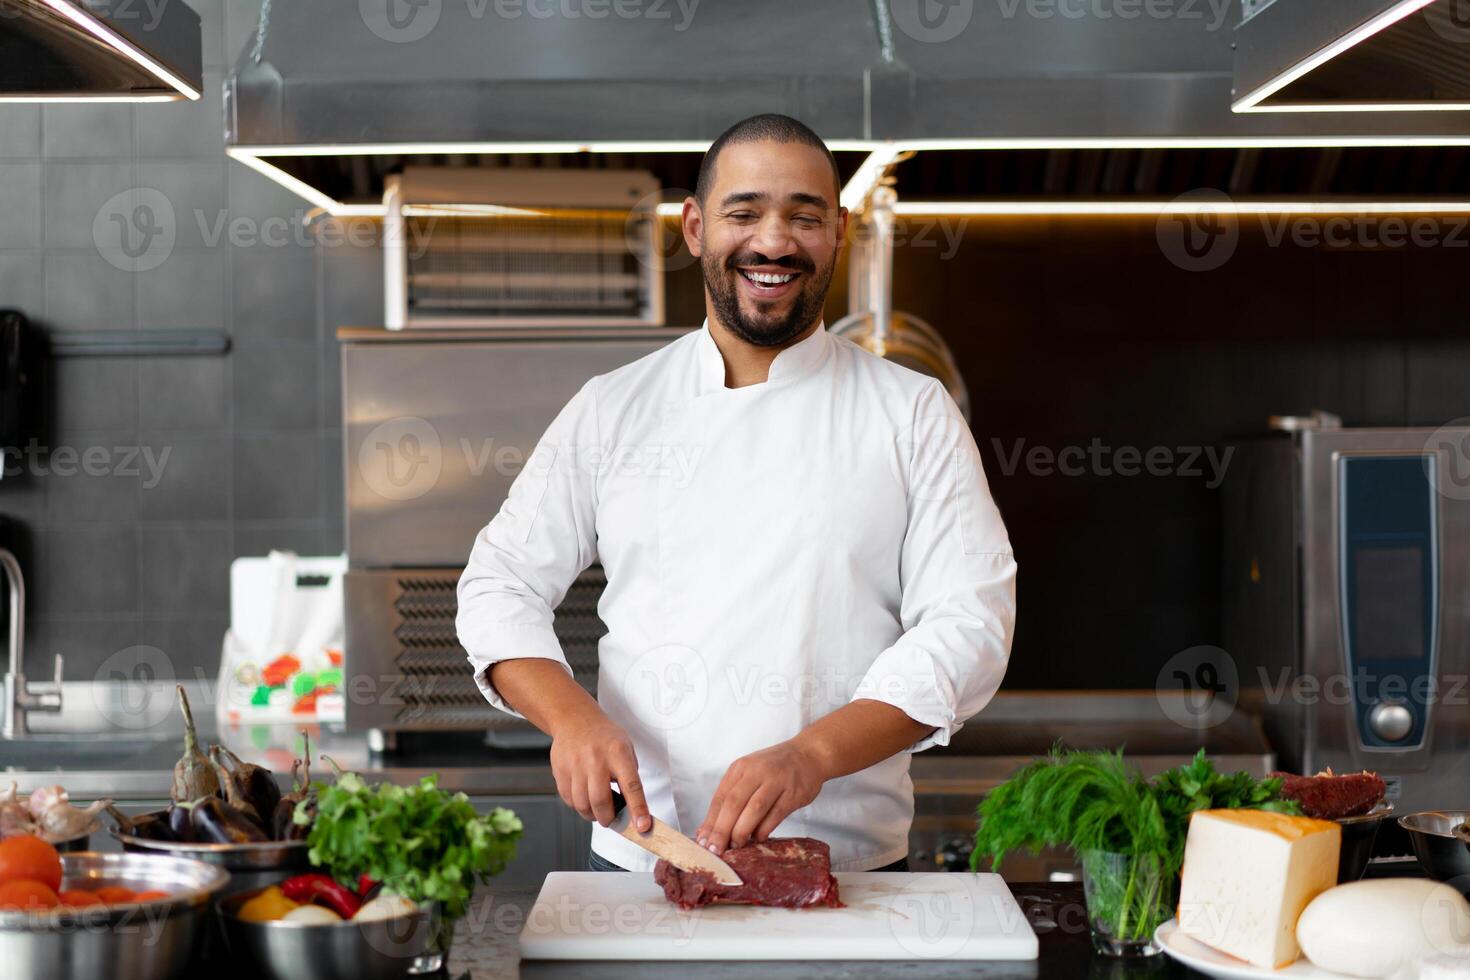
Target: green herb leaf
point(1095, 801)
point(421, 842)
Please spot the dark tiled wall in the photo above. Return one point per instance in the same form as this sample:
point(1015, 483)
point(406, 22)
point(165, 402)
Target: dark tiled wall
point(252, 439)
point(1066, 331)
point(1070, 331)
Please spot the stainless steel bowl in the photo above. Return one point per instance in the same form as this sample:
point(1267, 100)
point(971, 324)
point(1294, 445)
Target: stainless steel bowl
point(381, 950)
point(1358, 836)
point(73, 845)
point(1441, 854)
point(251, 866)
point(131, 941)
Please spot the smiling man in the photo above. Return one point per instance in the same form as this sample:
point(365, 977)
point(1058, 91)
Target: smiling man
point(823, 589)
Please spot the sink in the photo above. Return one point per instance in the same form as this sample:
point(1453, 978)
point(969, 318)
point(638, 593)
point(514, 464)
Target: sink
point(35, 753)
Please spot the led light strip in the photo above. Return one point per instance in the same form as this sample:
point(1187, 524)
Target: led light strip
point(74, 99)
point(121, 44)
point(1250, 102)
point(1180, 142)
point(868, 174)
point(493, 147)
point(880, 154)
point(294, 184)
point(914, 209)
point(1155, 208)
point(1362, 107)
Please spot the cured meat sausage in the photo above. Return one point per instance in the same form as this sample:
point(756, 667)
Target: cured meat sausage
point(792, 872)
point(1328, 796)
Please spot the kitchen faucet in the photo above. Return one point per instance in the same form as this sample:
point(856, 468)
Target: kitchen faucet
point(21, 697)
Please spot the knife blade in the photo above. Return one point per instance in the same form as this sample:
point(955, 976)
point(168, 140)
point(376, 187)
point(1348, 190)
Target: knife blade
point(674, 847)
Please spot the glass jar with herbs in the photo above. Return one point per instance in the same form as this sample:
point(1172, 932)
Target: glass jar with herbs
point(1128, 831)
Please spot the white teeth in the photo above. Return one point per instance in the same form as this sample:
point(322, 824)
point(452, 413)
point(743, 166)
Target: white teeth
point(768, 278)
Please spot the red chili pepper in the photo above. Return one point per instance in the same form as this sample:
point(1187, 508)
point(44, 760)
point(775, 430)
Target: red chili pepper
point(324, 889)
point(365, 884)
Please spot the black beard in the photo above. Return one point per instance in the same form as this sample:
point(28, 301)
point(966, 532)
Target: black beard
point(718, 279)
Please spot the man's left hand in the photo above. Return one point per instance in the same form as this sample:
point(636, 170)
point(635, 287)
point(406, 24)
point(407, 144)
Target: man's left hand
point(758, 792)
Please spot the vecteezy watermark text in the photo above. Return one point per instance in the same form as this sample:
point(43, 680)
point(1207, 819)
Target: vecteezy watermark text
point(34, 459)
point(1201, 230)
point(406, 21)
point(1097, 459)
point(1213, 12)
point(143, 14)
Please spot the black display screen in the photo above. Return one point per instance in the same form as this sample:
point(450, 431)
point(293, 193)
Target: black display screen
point(1388, 603)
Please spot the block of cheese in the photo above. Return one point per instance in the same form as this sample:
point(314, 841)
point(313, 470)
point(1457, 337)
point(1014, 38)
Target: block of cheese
point(1247, 876)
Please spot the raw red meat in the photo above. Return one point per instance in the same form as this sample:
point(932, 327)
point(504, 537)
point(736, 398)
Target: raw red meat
point(791, 872)
point(1328, 796)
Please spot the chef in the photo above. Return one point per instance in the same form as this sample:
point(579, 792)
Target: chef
point(807, 579)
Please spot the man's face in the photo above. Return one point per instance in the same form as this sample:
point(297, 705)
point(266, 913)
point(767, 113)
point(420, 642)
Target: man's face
point(767, 239)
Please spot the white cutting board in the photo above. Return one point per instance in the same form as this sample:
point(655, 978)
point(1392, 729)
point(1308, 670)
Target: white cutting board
point(590, 915)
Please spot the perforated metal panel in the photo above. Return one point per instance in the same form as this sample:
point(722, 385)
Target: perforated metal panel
point(498, 247)
point(401, 637)
point(556, 265)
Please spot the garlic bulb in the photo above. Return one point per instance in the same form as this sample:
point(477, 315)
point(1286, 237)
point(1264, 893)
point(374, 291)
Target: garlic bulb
point(44, 799)
point(64, 821)
point(14, 817)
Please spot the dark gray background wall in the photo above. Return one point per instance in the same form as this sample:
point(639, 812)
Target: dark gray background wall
point(1067, 330)
point(253, 437)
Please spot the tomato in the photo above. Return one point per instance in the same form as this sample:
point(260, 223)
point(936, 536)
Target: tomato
point(116, 895)
point(27, 858)
point(78, 897)
point(30, 896)
point(150, 896)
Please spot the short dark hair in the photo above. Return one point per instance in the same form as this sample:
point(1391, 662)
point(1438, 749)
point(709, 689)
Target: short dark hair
point(767, 126)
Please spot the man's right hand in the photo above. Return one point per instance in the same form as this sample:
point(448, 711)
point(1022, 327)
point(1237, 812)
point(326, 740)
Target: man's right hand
point(586, 756)
point(588, 749)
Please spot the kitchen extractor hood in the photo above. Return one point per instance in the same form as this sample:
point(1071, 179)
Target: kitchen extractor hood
point(463, 73)
point(333, 96)
point(99, 51)
point(1352, 56)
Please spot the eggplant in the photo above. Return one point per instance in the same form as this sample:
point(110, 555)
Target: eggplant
point(149, 826)
point(283, 818)
point(236, 800)
point(248, 787)
point(179, 823)
point(216, 822)
point(194, 774)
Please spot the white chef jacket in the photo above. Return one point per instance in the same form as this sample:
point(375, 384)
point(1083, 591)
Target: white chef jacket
point(772, 553)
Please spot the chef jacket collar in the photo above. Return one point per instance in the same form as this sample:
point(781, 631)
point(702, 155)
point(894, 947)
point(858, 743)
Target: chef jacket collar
point(791, 362)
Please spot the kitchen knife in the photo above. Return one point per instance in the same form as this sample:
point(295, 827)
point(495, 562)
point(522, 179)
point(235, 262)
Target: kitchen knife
point(666, 842)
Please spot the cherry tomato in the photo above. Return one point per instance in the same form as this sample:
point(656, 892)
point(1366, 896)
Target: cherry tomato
point(30, 896)
point(78, 897)
point(116, 895)
point(150, 896)
point(27, 858)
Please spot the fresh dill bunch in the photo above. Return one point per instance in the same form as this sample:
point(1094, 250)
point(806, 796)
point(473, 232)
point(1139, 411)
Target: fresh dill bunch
point(1096, 801)
point(1083, 800)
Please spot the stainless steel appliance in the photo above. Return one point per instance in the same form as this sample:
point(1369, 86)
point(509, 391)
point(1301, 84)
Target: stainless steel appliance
point(437, 425)
point(1346, 600)
point(503, 247)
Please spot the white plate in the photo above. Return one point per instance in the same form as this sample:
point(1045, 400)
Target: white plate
point(1212, 962)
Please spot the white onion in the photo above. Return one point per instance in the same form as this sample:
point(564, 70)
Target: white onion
point(386, 906)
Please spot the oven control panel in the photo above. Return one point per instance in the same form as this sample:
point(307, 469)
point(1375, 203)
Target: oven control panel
point(1389, 590)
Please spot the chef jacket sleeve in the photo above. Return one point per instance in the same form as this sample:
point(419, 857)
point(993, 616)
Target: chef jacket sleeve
point(958, 576)
point(527, 557)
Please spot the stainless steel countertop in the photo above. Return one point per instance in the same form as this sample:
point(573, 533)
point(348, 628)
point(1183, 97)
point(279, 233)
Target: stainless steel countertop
point(122, 744)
